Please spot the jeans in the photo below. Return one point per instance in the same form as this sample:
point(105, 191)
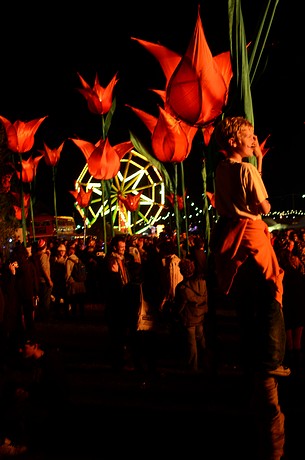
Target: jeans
point(263, 334)
point(195, 340)
point(271, 336)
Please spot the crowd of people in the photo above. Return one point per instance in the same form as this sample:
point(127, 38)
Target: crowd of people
point(36, 286)
point(262, 274)
point(39, 284)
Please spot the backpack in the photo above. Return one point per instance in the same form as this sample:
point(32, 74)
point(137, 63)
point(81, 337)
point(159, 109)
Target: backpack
point(79, 271)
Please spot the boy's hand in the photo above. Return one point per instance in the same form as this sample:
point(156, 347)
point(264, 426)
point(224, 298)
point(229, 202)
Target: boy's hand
point(256, 148)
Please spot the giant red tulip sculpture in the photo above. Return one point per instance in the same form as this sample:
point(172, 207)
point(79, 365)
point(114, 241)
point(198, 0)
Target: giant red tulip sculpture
point(27, 175)
point(101, 102)
point(99, 99)
point(82, 199)
point(197, 84)
point(171, 141)
point(26, 203)
point(103, 162)
point(52, 157)
point(131, 203)
point(20, 139)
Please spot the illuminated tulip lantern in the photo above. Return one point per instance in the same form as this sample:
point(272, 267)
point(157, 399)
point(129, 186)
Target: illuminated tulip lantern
point(20, 140)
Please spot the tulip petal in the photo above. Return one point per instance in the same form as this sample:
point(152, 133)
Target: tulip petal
point(167, 59)
point(86, 147)
point(149, 120)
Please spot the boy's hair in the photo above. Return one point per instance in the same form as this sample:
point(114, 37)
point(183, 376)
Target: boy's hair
point(229, 128)
point(187, 268)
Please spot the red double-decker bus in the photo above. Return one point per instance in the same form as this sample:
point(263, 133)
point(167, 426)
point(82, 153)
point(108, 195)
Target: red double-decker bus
point(45, 227)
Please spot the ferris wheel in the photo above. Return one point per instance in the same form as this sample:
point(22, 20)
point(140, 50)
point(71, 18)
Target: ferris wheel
point(137, 176)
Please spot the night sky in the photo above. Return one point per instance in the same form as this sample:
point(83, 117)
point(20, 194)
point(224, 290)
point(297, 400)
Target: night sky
point(48, 44)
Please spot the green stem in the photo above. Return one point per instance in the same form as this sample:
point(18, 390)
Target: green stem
point(32, 214)
point(176, 209)
point(104, 216)
point(55, 203)
point(22, 205)
point(185, 210)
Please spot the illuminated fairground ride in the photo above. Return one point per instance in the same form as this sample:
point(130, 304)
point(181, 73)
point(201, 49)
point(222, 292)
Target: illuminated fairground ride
point(137, 175)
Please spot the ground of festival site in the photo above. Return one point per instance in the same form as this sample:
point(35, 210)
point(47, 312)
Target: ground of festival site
point(112, 415)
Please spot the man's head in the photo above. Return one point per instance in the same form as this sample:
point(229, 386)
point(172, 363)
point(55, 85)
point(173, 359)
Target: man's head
point(72, 248)
point(119, 245)
point(61, 249)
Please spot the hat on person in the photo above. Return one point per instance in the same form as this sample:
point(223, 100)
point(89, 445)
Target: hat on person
point(187, 268)
point(61, 247)
point(41, 244)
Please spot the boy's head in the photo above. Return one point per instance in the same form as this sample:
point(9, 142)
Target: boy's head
point(187, 268)
point(228, 132)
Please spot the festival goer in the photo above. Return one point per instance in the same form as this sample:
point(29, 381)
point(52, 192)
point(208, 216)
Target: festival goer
point(171, 275)
point(293, 303)
point(58, 273)
point(191, 305)
point(122, 301)
point(90, 259)
point(199, 255)
point(41, 259)
point(27, 287)
point(76, 290)
point(241, 199)
point(241, 237)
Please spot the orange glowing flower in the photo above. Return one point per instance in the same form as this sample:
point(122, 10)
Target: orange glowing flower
point(171, 138)
point(51, 156)
point(18, 212)
point(197, 83)
point(82, 198)
point(20, 135)
point(29, 169)
point(171, 199)
point(103, 160)
point(18, 209)
point(211, 197)
point(207, 133)
point(99, 99)
point(131, 201)
point(263, 147)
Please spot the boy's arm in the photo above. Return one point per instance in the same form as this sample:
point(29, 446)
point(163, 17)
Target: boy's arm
point(264, 207)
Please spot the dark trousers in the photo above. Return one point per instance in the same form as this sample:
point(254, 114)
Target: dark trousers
point(263, 338)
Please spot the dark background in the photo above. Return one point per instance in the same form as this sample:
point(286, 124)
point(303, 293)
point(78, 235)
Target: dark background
point(44, 46)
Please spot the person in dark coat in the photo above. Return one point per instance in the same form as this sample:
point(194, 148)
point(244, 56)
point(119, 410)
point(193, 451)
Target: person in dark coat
point(27, 286)
point(122, 300)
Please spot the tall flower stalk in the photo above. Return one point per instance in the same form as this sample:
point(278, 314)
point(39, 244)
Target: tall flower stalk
point(100, 102)
point(52, 157)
